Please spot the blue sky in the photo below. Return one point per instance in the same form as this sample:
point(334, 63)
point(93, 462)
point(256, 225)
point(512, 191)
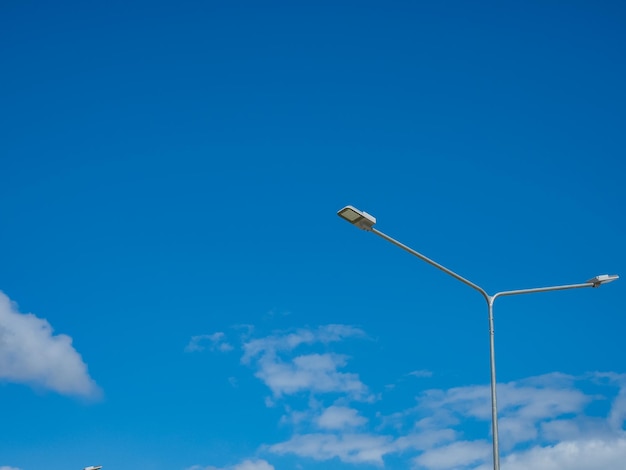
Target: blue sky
point(179, 294)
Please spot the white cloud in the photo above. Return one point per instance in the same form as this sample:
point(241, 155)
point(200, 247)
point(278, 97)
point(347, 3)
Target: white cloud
point(424, 440)
point(288, 342)
point(216, 341)
point(422, 373)
point(315, 373)
point(523, 405)
point(618, 408)
point(587, 454)
point(4, 467)
point(254, 465)
point(351, 448)
point(286, 374)
point(340, 417)
point(30, 353)
point(456, 455)
point(337, 438)
point(545, 422)
point(245, 465)
point(536, 413)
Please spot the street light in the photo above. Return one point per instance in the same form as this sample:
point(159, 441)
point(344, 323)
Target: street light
point(366, 221)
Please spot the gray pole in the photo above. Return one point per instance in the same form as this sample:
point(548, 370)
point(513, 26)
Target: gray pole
point(366, 222)
point(490, 301)
point(494, 406)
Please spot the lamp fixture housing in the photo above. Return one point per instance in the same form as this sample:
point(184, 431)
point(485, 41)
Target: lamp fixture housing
point(361, 219)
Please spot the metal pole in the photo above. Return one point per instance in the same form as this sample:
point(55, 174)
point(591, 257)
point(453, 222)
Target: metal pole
point(492, 352)
point(494, 406)
point(431, 262)
point(490, 301)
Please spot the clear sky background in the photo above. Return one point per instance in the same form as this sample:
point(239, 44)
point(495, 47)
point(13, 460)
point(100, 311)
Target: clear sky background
point(179, 294)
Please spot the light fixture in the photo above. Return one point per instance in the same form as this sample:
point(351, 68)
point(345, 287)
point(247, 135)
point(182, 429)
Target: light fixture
point(361, 219)
point(603, 279)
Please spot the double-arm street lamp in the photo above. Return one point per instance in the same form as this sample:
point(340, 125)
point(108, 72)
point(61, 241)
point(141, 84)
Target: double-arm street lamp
point(365, 221)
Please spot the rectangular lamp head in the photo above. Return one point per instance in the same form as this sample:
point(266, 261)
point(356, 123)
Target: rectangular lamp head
point(361, 219)
point(603, 279)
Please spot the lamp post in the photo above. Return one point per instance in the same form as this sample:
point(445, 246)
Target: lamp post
point(366, 221)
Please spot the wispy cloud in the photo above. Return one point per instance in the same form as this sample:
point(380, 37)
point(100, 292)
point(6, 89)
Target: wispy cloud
point(340, 417)
point(286, 373)
point(310, 373)
point(535, 412)
point(546, 422)
point(351, 448)
point(216, 342)
point(31, 354)
point(584, 454)
point(288, 341)
point(523, 405)
point(618, 410)
point(422, 373)
point(245, 465)
point(458, 454)
point(543, 424)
